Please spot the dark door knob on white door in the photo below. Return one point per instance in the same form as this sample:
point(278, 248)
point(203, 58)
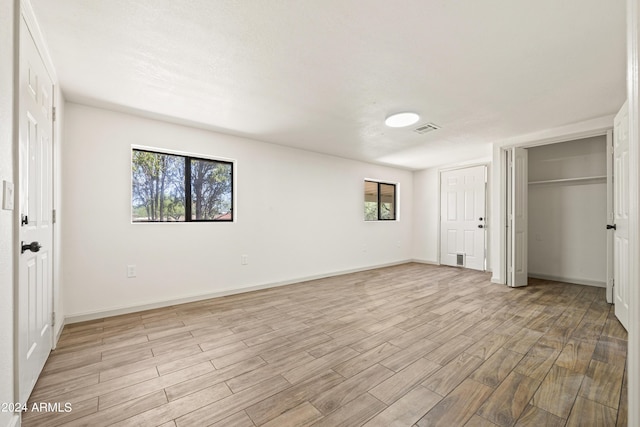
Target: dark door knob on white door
point(33, 247)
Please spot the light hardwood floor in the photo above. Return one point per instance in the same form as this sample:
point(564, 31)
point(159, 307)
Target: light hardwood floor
point(406, 345)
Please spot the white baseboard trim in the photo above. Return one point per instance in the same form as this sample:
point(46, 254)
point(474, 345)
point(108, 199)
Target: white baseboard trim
point(587, 282)
point(497, 280)
point(430, 262)
point(425, 261)
point(100, 314)
point(58, 333)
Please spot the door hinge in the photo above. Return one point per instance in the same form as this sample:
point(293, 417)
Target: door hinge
point(53, 318)
point(53, 113)
point(53, 216)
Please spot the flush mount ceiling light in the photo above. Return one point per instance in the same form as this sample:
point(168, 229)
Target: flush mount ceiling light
point(400, 120)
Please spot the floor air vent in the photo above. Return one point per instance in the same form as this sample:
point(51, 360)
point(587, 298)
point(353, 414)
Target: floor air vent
point(426, 128)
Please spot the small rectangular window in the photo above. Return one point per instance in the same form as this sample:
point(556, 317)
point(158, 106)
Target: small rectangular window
point(178, 188)
point(379, 201)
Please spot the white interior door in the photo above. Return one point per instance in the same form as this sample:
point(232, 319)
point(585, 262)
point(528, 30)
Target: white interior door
point(36, 231)
point(610, 217)
point(518, 211)
point(463, 218)
point(621, 215)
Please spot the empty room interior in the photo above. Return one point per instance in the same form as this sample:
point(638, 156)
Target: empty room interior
point(327, 213)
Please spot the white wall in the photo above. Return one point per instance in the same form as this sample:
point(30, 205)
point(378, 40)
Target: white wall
point(298, 215)
point(426, 215)
point(570, 159)
point(567, 234)
point(633, 96)
point(7, 222)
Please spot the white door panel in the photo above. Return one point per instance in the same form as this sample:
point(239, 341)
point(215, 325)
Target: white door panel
point(462, 213)
point(518, 217)
point(452, 204)
point(35, 195)
point(469, 243)
point(610, 217)
point(621, 215)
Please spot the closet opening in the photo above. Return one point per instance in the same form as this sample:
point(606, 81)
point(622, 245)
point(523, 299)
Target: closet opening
point(567, 210)
point(558, 206)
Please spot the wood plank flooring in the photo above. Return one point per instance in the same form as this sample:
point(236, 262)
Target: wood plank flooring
point(409, 345)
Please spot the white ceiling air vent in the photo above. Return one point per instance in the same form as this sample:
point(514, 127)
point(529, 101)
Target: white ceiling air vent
point(426, 128)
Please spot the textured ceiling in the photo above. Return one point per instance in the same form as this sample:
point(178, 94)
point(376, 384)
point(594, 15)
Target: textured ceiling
point(322, 75)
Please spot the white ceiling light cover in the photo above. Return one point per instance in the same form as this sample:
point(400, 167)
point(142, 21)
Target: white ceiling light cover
point(401, 120)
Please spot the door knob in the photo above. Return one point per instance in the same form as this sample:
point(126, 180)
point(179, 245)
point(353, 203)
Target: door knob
point(480, 226)
point(33, 247)
point(609, 227)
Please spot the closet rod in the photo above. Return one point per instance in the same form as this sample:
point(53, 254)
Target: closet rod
point(568, 180)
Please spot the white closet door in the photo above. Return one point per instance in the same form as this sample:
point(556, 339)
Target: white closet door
point(610, 218)
point(621, 215)
point(518, 218)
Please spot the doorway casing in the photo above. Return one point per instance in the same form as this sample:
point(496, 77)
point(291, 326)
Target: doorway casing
point(498, 220)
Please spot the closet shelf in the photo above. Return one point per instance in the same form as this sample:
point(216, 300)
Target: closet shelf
point(570, 180)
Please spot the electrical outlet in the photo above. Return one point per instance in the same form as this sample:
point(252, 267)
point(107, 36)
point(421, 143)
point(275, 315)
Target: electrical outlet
point(244, 259)
point(131, 271)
